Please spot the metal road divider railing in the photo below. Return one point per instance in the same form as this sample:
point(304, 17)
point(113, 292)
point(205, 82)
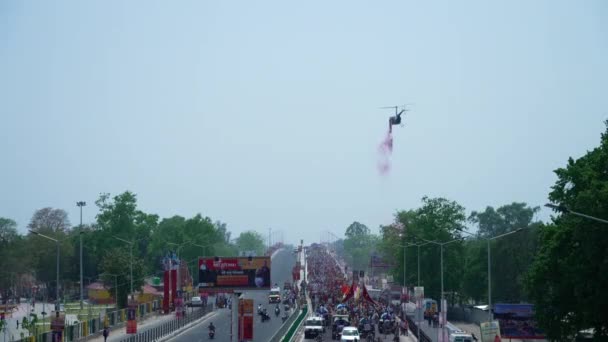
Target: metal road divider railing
point(296, 325)
point(162, 330)
point(420, 335)
point(283, 330)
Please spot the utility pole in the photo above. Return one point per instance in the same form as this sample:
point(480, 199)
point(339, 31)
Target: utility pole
point(81, 204)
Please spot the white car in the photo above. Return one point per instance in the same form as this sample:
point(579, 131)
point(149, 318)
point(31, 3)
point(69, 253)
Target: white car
point(196, 301)
point(350, 334)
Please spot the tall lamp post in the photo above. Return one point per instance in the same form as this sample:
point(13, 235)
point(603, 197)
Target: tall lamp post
point(81, 204)
point(131, 244)
point(204, 247)
point(57, 243)
point(488, 240)
point(441, 244)
point(564, 209)
point(405, 261)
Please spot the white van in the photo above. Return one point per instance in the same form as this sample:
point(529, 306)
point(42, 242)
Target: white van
point(461, 337)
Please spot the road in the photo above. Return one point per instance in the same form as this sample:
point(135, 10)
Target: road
point(281, 267)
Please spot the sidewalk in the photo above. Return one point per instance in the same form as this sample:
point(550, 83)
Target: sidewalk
point(410, 337)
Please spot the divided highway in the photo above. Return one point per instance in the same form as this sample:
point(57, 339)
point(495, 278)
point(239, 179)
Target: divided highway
point(281, 267)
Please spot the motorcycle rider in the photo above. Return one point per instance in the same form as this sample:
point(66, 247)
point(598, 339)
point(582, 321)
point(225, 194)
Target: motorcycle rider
point(259, 308)
point(277, 310)
point(211, 330)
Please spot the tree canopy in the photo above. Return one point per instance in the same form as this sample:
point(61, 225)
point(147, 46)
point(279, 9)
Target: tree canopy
point(569, 276)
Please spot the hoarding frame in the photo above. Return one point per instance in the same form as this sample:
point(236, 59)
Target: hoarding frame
point(256, 269)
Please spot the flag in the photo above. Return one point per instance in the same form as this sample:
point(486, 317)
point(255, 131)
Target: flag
point(367, 297)
point(345, 289)
point(349, 294)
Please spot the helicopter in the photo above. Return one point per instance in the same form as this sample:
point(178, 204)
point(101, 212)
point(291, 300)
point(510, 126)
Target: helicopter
point(396, 119)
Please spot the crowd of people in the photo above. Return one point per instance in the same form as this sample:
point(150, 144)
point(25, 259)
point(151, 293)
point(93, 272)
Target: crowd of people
point(343, 300)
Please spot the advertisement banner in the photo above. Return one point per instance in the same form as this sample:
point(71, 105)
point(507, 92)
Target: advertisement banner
point(132, 318)
point(58, 321)
point(418, 296)
point(245, 319)
point(245, 306)
point(166, 287)
point(517, 321)
point(490, 331)
point(132, 327)
point(246, 331)
point(173, 277)
point(220, 274)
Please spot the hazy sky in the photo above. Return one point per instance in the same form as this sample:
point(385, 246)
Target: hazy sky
point(265, 113)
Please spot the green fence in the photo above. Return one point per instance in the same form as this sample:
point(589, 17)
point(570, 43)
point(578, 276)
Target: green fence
point(294, 327)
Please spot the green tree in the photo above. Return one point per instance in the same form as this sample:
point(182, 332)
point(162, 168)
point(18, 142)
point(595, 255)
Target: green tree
point(568, 278)
point(438, 219)
point(359, 245)
point(55, 224)
point(511, 256)
point(356, 230)
point(250, 241)
point(49, 219)
point(12, 256)
point(119, 217)
point(118, 262)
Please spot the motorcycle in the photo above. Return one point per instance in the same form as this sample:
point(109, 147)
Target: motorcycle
point(211, 334)
point(265, 316)
point(284, 317)
point(277, 311)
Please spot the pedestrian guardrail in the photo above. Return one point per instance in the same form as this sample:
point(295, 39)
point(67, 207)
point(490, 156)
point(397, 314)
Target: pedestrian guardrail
point(420, 335)
point(162, 330)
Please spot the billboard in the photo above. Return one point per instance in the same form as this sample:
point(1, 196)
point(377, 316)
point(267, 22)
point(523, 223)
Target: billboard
point(222, 274)
point(517, 321)
point(490, 331)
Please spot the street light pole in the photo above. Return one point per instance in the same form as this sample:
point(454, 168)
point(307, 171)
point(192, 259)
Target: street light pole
point(564, 209)
point(441, 244)
point(81, 204)
point(488, 240)
point(57, 287)
point(489, 283)
point(131, 244)
point(418, 264)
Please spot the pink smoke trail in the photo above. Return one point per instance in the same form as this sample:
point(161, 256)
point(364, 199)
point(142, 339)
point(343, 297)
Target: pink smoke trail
point(384, 151)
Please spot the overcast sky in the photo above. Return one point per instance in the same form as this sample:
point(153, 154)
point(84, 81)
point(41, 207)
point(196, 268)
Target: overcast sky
point(265, 113)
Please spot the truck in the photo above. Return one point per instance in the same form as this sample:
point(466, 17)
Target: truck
point(274, 296)
point(430, 307)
